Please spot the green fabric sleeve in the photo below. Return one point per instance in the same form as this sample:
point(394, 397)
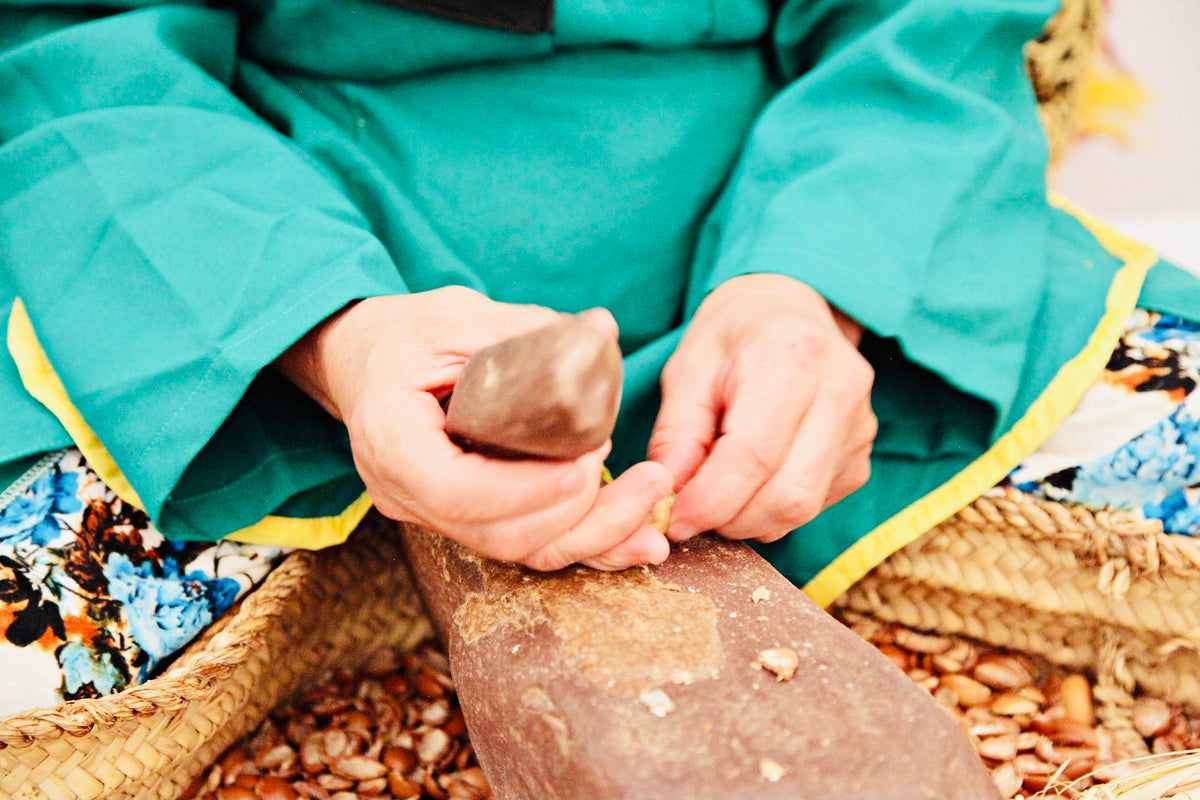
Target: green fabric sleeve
point(168, 245)
point(901, 173)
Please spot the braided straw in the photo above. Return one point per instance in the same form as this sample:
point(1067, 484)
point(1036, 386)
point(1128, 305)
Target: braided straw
point(1104, 592)
point(314, 612)
point(1113, 693)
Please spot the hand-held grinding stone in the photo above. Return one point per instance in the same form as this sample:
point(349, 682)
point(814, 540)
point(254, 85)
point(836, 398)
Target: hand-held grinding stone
point(551, 393)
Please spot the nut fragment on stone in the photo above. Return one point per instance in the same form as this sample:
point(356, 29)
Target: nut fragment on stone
point(771, 769)
point(681, 677)
point(782, 662)
point(659, 703)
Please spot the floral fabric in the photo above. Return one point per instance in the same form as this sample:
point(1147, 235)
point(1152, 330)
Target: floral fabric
point(92, 598)
point(1133, 443)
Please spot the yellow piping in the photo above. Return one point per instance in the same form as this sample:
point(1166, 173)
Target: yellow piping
point(43, 383)
point(1046, 413)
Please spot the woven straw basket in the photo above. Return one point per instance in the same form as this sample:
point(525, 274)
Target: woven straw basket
point(1102, 592)
point(1108, 593)
point(314, 612)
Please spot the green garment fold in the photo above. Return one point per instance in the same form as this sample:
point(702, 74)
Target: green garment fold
point(185, 190)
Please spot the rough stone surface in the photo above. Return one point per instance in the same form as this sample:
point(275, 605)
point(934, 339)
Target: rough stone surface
point(645, 683)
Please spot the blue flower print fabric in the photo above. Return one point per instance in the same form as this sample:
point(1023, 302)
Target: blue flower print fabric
point(1133, 444)
point(92, 598)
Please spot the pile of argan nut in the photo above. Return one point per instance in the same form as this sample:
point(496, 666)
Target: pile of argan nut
point(1033, 724)
point(394, 729)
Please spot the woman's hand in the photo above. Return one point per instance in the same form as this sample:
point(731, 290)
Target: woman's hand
point(383, 364)
point(766, 417)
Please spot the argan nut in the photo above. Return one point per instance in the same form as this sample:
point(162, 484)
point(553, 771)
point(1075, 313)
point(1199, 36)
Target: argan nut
point(358, 768)
point(236, 793)
point(1076, 695)
point(1011, 704)
point(1151, 717)
point(998, 748)
point(961, 656)
point(659, 517)
point(1001, 671)
point(432, 745)
point(1007, 779)
point(970, 691)
point(919, 642)
point(402, 788)
point(551, 393)
point(273, 788)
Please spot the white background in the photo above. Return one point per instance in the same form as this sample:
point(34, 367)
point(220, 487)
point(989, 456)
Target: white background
point(1149, 188)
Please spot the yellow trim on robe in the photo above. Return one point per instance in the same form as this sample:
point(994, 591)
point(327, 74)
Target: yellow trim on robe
point(41, 381)
point(311, 533)
point(1046, 413)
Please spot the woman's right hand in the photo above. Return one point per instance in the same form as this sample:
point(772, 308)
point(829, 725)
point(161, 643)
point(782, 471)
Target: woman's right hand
point(382, 366)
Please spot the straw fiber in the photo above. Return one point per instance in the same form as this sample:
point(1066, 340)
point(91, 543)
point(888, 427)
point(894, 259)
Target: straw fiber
point(312, 613)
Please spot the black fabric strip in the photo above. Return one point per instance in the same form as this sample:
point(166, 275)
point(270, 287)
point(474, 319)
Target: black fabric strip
point(519, 16)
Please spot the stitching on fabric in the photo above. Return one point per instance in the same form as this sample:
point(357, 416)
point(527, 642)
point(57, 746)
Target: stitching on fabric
point(18, 487)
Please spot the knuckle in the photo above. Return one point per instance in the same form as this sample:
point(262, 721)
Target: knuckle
point(860, 474)
point(773, 535)
point(752, 461)
point(798, 509)
point(547, 559)
point(545, 313)
point(797, 342)
point(665, 436)
point(870, 429)
point(862, 375)
point(456, 295)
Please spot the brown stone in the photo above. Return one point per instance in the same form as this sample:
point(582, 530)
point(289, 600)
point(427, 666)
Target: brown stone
point(551, 393)
point(550, 668)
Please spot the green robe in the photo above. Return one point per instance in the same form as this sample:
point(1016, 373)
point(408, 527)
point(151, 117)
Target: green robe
point(185, 190)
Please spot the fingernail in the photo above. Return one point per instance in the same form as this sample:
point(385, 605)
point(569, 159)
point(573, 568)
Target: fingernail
point(679, 531)
point(661, 556)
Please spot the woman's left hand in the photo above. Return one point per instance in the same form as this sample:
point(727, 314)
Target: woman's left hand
point(766, 417)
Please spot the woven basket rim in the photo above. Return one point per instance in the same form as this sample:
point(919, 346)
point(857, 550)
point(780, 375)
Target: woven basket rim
point(196, 674)
point(1097, 535)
